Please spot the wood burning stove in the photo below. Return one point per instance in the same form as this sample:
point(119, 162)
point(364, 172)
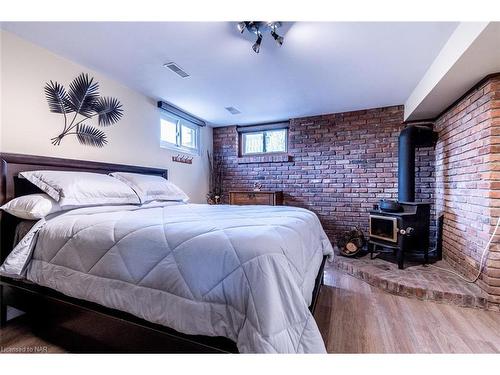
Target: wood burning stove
point(407, 229)
point(401, 232)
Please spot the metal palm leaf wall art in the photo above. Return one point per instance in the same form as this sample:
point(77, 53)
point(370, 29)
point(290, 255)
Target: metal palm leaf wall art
point(79, 104)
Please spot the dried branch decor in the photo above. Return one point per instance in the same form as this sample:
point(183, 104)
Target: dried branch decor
point(82, 99)
point(214, 195)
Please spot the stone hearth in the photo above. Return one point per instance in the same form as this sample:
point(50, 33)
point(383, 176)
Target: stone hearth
point(415, 281)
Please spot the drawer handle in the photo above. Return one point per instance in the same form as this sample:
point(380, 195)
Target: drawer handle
point(251, 195)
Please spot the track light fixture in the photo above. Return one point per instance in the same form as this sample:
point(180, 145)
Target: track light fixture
point(256, 46)
point(241, 26)
point(277, 38)
point(258, 28)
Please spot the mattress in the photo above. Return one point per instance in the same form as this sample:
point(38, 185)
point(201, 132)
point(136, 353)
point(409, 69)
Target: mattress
point(243, 272)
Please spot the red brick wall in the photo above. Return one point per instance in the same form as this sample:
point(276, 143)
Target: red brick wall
point(468, 181)
point(344, 163)
point(341, 165)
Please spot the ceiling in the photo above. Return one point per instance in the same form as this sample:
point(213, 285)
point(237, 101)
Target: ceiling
point(321, 67)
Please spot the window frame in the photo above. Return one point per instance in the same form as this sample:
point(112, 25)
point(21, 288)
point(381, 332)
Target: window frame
point(263, 131)
point(177, 146)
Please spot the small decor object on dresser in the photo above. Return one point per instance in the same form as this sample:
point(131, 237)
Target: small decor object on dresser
point(271, 198)
point(351, 242)
point(257, 186)
point(82, 99)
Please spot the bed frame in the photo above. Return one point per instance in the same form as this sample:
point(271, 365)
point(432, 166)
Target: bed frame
point(35, 299)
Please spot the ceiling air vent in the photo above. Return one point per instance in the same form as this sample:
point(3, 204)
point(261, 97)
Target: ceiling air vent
point(176, 69)
point(232, 110)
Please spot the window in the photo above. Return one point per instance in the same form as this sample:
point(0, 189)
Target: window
point(263, 141)
point(179, 134)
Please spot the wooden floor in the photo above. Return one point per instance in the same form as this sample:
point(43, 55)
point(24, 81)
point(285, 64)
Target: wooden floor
point(353, 317)
point(18, 338)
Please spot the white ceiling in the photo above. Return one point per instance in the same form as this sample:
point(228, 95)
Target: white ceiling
point(321, 67)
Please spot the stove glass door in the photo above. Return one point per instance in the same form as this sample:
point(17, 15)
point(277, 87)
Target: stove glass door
point(384, 228)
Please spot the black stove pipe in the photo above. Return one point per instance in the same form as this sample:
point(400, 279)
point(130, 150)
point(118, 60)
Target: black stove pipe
point(410, 138)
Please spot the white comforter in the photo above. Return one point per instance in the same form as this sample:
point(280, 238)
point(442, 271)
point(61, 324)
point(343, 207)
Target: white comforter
point(243, 272)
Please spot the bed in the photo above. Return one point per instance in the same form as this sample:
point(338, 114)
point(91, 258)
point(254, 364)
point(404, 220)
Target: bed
point(254, 284)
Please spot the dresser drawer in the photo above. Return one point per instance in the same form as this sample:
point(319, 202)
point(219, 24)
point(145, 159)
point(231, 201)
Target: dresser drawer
point(257, 197)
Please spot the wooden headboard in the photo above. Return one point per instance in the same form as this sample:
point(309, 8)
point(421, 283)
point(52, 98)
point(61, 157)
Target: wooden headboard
point(11, 186)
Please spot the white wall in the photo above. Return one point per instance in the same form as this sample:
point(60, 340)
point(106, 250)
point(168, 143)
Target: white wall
point(27, 125)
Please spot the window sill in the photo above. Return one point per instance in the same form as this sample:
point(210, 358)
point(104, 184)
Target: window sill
point(179, 149)
point(276, 158)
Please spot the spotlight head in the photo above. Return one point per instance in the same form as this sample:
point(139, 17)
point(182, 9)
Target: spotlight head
point(241, 26)
point(277, 38)
point(256, 46)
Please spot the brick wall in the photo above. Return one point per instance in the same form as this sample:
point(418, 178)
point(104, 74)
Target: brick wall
point(341, 165)
point(468, 181)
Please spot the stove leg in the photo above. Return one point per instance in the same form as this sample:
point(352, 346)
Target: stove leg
point(426, 256)
point(401, 259)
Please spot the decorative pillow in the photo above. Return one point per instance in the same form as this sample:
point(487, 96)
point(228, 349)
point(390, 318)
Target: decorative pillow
point(32, 206)
point(151, 188)
point(82, 188)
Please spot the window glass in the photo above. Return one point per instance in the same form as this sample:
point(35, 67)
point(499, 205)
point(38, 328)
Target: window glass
point(276, 140)
point(266, 141)
point(168, 131)
point(188, 136)
point(179, 135)
point(254, 143)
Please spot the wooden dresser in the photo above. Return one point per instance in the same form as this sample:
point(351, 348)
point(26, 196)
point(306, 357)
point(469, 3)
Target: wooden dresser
point(272, 198)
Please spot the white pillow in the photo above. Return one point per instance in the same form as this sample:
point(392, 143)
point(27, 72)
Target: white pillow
point(151, 188)
point(81, 188)
point(32, 206)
